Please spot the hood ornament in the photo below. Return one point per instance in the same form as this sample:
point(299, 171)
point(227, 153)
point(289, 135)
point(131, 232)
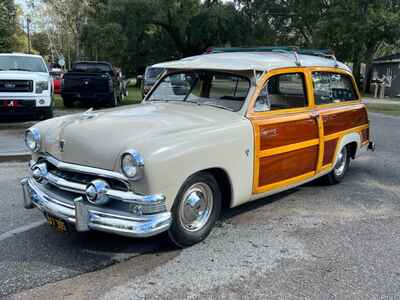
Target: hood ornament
point(89, 114)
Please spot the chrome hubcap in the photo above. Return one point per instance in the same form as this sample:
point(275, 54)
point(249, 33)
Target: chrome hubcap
point(341, 162)
point(196, 207)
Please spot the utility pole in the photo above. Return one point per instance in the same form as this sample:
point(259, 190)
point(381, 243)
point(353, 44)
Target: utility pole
point(28, 23)
point(31, 6)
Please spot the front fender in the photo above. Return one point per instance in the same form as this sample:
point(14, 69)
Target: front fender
point(170, 160)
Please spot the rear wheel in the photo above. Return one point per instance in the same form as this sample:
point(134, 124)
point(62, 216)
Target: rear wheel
point(113, 101)
point(68, 102)
point(341, 167)
point(195, 210)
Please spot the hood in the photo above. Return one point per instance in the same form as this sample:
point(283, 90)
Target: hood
point(22, 75)
point(98, 138)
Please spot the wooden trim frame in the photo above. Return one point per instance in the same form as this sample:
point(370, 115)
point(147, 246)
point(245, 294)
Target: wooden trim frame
point(281, 137)
point(283, 156)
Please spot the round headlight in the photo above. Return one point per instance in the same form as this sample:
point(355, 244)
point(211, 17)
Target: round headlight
point(32, 139)
point(132, 164)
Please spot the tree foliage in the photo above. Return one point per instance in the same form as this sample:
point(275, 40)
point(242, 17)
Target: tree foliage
point(136, 33)
point(8, 26)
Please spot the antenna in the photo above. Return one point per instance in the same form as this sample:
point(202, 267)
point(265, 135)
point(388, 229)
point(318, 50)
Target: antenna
point(296, 56)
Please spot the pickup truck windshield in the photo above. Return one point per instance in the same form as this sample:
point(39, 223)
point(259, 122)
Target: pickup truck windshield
point(22, 63)
point(222, 90)
point(92, 68)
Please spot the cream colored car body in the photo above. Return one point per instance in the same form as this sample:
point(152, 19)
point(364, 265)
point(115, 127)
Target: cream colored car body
point(175, 139)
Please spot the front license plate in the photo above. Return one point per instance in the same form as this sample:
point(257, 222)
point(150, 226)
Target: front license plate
point(57, 223)
point(10, 104)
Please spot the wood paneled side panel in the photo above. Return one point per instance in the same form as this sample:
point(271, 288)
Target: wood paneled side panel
point(287, 165)
point(281, 134)
point(329, 151)
point(341, 121)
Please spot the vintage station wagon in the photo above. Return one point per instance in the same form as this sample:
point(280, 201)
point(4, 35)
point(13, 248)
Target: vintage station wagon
point(217, 130)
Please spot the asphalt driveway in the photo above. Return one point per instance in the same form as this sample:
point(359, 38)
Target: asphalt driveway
point(316, 241)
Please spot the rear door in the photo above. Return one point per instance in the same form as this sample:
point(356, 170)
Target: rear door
point(287, 131)
point(338, 101)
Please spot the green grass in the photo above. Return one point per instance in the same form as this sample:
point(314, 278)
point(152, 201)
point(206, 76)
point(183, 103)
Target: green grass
point(387, 109)
point(134, 97)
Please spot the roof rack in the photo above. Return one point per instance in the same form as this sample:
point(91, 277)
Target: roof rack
point(327, 53)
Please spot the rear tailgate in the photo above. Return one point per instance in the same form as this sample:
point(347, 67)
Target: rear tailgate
point(86, 83)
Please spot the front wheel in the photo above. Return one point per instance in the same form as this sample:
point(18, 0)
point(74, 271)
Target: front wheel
point(195, 210)
point(341, 167)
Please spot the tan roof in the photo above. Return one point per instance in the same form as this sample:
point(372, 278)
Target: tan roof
point(242, 61)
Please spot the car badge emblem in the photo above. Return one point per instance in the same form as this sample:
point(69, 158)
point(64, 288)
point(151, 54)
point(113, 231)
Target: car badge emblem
point(61, 145)
point(9, 85)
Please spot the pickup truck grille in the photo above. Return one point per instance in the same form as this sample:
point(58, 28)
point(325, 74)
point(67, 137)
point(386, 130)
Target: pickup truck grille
point(16, 86)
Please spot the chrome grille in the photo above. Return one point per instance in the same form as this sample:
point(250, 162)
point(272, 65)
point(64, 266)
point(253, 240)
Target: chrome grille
point(12, 86)
point(85, 178)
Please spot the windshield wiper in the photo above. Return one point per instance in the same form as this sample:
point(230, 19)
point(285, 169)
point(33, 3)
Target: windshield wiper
point(218, 106)
point(161, 100)
point(19, 69)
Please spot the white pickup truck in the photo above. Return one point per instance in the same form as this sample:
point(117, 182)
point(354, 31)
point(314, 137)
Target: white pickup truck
point(25, 86)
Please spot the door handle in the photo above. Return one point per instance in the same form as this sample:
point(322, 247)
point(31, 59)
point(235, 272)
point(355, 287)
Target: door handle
point(314, 114)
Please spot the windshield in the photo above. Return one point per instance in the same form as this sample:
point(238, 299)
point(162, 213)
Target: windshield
point(22, 63)
point(153, 73)
point(217, 89)
point(91, 68)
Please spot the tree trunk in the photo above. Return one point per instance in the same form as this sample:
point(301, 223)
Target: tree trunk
point(357, 70)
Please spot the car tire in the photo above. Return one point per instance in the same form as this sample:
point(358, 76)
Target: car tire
point(68, 102)
point(48, 113)
point(113, 101)
point(43, 113)
point(195, 210)
point(341, 167)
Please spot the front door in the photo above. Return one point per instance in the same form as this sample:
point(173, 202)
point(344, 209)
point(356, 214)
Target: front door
point(286, 131)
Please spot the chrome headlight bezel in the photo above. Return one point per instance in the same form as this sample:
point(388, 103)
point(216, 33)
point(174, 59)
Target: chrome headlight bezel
point(132, 165)
point(32, 139)
point(42, 86)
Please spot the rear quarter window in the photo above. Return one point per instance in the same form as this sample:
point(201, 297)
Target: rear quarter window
point(333, 88)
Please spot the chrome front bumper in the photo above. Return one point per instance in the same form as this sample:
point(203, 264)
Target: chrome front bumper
point(87, 217)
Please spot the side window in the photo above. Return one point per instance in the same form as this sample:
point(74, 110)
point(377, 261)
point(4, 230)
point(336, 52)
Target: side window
point(282, 92)
point(332, 88)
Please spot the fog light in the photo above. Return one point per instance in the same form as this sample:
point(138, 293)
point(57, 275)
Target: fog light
point(96, 192)
point(41, 101)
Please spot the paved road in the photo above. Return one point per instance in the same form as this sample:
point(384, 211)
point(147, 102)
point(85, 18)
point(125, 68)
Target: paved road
point(12, 140)
point(315, 241)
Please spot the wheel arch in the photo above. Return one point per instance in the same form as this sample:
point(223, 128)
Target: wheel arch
point(225, 184)
point(351, 140)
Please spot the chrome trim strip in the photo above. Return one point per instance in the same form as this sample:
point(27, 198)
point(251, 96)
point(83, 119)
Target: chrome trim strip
point(65, 185)
point(84, 169)
point(85, 217)
point(128, 197)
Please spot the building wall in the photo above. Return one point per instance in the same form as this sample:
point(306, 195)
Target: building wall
point(390, 74)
